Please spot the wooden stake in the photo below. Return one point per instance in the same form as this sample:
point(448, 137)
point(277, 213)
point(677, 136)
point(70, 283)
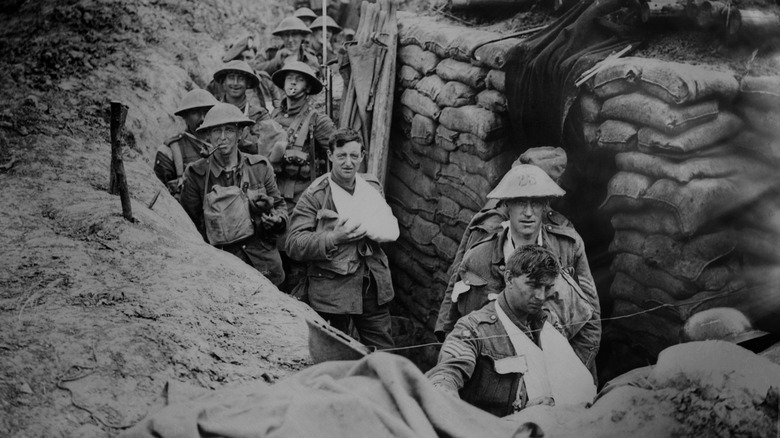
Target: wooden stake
point(118, 180)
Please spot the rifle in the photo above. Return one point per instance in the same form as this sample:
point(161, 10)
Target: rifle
point(326, 70)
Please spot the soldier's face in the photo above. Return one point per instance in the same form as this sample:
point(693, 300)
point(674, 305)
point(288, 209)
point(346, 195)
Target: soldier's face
point(224, 138)
point(525, 215)
point(346, 160)
point(526, 296)
point(194, 117)
point(292, 40)
point(295, 85)
point(235, 85)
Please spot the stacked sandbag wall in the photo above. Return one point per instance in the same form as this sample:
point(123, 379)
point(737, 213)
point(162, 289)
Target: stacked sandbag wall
point(694, 203)
point(448, 149)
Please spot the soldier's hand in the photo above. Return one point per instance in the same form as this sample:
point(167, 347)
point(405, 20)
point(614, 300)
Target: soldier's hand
point(270, 220)
point(348, 231)
point(259, 201)
point(282, 54)
point(174, 186)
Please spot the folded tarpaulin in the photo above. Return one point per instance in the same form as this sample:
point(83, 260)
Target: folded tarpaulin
point(381, 395)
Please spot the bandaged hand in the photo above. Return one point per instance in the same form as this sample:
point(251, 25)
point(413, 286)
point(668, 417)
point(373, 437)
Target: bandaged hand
point(270, 220)
point(348, 230)
point(259, 202)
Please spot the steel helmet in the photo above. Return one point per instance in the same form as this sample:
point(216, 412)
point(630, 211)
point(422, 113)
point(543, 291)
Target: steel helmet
point(238, 66)
point(224, 114)
point(304, 13)
point(236, 49)
point(329, 23)
point(300, 67)
point(291, 24)
point(197, 98)
point(526, 181)
point(722, 323)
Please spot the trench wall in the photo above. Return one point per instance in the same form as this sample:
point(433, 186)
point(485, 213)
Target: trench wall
point(686, 154)
point(448, 149)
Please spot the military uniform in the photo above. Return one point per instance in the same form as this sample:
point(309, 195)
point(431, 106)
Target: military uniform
point(351, 279)
point(260, 249)
point(308, 132)
point(468, 358)
point(174, 156)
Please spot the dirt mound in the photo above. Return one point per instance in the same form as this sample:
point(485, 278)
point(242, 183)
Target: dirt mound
point(99, 313)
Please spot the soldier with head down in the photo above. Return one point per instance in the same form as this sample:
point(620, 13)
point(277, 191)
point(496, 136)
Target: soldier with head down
point(524, 217)
point(189, 146)
point(293, 33)
point(232, 197)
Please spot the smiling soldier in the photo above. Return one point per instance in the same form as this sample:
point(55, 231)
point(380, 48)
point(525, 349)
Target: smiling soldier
point(232, 197)
point(336, 228)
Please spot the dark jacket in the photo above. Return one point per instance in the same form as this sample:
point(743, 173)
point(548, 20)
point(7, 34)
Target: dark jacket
point(467, 362)
point(164, 166)
point(335, 273)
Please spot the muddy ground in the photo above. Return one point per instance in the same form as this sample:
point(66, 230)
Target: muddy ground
point(100, 314)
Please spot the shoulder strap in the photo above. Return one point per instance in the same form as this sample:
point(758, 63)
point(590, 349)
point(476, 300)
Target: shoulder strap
point(178, 161)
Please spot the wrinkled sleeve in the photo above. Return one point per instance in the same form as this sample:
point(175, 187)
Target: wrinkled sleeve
point(457, 359)
point(383, 226)
point(304, 242)
point(587, 341)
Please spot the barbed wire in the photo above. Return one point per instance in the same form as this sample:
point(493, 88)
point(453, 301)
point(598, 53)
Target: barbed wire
point(611, 318)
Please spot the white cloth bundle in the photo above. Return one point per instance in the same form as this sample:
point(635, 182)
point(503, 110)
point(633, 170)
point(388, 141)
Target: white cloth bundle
point(368, 208)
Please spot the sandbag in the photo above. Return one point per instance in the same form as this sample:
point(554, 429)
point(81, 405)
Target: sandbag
point(429, 151)
point(401, 195)
point(492, 100)
point(716, 277)
point(650, 221)
point(423, 129)
point(421, 60)
point(764, 121)
point(430, 86)
point(672, 82)
point(405, 113)
point(455, 94)
point(725, 125)
point(447, 41)
point(655, 329)
point(626, 288)
point(420, 104)
point(445, 246)
point(464, 218)
point(616, 136)
point(625, 190)
point(607, 90)
point(402, 262)
point(494, 55)
point(420, 244)
point(405, 218)
point(485, 150)
point(649, 111)
point(430, 168)
point(425, 250)
point(447, 211)
point(764, 214)
point(685, 171)
point(496, 80)
point(761, 91)
point(762, 246)
point(492, 170)
point(415, 180)
point(454, 184)
point(471, 118)
point(590, 108)
point(408, 76)
point(452, 70)
point(761, 146)
point(703, 200)
point(685, 259)
point(453, 231)
point(445, 138)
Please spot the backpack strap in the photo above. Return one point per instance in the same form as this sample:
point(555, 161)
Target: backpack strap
point(178, 160)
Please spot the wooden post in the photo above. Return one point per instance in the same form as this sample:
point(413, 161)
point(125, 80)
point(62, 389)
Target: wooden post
point(118, 180)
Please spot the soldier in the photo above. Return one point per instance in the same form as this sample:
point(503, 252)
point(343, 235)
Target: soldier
point(305, 14)
point(293, 32)
point(308, 131)
point(245, 50)
point(509, 355)
point(179, 151)
point(524, 193)
point(232, 197)
point(236, 77)
point(331, 29)
point(337, 228)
